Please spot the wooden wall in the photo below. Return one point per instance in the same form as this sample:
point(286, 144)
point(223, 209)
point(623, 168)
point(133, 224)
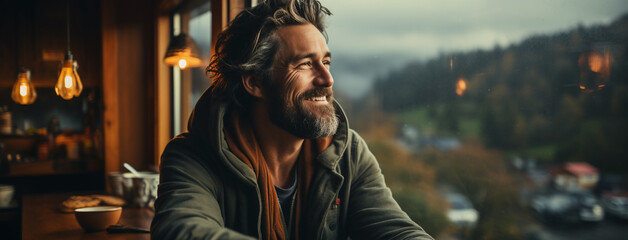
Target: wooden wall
point(127, 30)
point(34, 36)
point(119, 46)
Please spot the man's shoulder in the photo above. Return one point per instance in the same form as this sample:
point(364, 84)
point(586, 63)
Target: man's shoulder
point(355, 139)
point(179, 141)
point(182, 145)
point(188, 152)
point(356, 146)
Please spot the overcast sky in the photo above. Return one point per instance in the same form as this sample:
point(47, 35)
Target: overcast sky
point(423, 28)
point(393, 32)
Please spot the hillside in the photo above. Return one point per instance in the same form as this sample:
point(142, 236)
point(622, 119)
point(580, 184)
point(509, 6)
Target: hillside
point(566, 91)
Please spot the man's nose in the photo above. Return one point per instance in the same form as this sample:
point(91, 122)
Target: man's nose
point(324, 78)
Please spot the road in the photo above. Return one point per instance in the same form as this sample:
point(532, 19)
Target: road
point(608, 229)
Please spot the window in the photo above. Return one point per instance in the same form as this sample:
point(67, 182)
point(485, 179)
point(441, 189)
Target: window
point(188, 84)
point(483, 99)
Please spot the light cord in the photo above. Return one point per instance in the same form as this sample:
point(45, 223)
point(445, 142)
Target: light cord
point(67, 21)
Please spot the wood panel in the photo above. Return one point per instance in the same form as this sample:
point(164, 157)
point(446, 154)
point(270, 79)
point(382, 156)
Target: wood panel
point(236, 6)
point(37, 39)
point(162, 89)
point(127, 35)
point(8, 41)
point(111, 112)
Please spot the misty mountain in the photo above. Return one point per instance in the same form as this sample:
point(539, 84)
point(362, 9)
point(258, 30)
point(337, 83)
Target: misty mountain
point(355, 75)
point(549, 65)
point(565, 92)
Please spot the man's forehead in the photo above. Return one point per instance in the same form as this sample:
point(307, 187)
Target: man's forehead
point(302, 39)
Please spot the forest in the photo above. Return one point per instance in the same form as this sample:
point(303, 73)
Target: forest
point(560, 97)
point(555, 98)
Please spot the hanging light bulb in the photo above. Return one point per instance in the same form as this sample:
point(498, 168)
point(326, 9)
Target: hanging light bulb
point(23, 91)
point(182, 52)
point(69, 83)
point(183, 63)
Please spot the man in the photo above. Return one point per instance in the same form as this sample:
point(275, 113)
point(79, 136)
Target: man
point(269, 154)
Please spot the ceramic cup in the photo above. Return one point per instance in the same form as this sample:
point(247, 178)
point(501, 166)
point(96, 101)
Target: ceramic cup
point(144, 189)
point(120, 184)
point(6, 195)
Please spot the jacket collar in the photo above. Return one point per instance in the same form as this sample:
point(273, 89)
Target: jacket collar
point(206, 124)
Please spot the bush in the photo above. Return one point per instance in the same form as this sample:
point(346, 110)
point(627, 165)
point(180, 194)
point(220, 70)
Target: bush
point(415, 204)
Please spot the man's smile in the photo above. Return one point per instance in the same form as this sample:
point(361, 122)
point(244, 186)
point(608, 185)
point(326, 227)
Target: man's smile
point(320, 99)
point(317, 96)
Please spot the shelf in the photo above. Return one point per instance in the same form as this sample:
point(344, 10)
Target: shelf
point(48, 167)
point(32, 168)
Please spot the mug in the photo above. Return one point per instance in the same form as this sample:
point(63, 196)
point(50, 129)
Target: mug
point(144, 189)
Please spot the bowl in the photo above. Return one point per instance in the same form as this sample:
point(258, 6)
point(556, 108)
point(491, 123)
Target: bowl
point(94, 219)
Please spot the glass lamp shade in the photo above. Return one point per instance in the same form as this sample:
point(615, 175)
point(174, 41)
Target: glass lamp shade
point(23, 91)
point(182, 52)
point(69, 83)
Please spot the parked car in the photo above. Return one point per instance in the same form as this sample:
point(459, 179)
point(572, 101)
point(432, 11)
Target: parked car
point(567, 207)
point(461, 213)
point(616, 204)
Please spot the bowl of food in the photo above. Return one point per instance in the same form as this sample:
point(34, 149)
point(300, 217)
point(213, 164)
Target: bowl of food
point(94, 219)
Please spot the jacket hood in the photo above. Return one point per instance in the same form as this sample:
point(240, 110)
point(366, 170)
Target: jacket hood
point(206, 125)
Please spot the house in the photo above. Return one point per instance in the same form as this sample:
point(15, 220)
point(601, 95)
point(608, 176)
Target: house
point(574, 176)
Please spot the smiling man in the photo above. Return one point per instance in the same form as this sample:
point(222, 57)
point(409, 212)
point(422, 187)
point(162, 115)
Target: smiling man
point(269, 153)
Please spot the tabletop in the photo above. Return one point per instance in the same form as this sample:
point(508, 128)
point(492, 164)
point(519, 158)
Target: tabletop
point(41, 219)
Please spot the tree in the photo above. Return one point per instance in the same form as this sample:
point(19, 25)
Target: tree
point(481, 175)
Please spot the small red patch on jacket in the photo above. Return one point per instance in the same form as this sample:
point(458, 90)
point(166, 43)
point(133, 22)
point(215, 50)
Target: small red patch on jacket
point(337, 201)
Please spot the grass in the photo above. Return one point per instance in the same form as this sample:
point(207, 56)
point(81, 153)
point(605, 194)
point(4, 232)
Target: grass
point(470, 127)
point(419, 117)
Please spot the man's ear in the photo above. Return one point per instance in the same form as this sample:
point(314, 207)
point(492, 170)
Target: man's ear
point(252, 85)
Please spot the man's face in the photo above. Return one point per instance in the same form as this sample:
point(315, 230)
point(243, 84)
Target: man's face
point(300, 91)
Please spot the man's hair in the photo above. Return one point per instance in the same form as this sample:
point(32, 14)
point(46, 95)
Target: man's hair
point(248, 46)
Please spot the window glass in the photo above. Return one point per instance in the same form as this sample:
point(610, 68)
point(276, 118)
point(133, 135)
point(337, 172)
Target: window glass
point(200, 31)
point(188, 84)
point(513, 105)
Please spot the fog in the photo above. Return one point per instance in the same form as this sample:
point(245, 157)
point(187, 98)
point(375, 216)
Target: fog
point(370, 37)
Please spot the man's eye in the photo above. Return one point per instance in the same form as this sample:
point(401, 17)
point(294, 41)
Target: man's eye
point(305, 65)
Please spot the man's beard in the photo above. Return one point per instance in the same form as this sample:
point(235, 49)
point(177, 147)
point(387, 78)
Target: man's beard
point(297, 119)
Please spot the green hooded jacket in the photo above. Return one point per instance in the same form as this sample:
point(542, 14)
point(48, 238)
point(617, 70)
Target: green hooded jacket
point(206, 192)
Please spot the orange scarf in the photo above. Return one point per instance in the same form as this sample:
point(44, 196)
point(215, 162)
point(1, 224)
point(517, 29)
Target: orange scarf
point(243, 143)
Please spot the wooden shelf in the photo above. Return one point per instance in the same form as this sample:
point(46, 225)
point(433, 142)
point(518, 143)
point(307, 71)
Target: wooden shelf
point(32, 168)
point(47, 167)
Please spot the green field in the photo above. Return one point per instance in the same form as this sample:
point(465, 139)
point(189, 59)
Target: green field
point(428, 123)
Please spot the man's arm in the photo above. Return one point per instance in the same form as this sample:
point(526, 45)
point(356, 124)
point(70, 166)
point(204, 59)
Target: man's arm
point(186, 206)
point(373, 213)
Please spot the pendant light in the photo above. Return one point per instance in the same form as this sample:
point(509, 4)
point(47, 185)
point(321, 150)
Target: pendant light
point(23, 91)
point(182, 52)
point(69, 83)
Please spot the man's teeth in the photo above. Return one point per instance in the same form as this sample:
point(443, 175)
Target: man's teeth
point(323, 98)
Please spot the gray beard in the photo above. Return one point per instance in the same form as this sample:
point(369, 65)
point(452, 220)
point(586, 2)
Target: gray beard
point(298, 121)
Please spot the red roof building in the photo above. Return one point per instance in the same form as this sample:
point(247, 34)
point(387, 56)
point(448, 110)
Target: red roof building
point(575, 175)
